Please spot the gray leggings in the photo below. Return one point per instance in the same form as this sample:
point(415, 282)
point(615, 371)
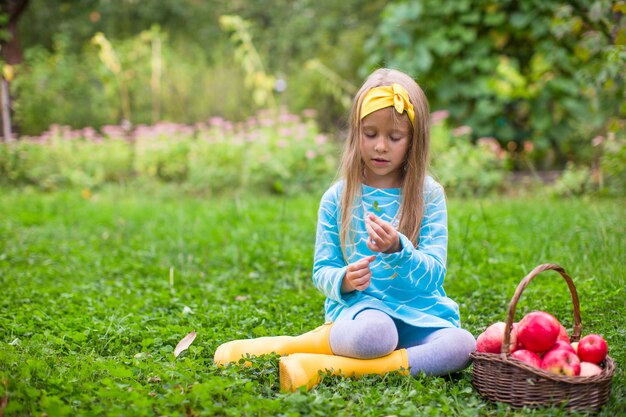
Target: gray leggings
point(372, 334)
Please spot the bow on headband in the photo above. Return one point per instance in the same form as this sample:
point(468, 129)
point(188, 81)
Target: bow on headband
point(388, 96)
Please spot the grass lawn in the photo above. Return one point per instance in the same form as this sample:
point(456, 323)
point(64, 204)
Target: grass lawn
point(89, 317)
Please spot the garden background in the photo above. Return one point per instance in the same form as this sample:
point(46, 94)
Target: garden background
point(161, 165)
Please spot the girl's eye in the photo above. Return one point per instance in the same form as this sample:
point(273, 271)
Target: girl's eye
point(369, 134)
point(395, 138)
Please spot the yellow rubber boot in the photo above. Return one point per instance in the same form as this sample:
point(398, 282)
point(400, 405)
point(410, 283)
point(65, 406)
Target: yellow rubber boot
point(315, 341)
point(302, 369)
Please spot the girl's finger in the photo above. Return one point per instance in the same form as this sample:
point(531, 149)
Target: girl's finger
point(356, 266)
point(373, 234)
point(363, 283)
point(385, 226)
point(362, 280)
point(360, 274)
point(363, 263)
point(379, 231)
point(373, 246)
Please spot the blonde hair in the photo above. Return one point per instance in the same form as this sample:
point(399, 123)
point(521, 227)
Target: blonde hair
point(413, 173)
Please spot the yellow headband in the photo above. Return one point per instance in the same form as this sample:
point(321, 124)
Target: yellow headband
point(388, 96)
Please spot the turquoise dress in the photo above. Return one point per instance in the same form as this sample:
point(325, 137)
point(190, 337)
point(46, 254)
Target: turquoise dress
point(407, 285)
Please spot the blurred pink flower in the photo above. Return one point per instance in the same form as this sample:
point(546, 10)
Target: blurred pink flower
point(281, 143)
point(528, 146)
point(301, 132)
point(597, 141)
point(439, 116)
point(309, 113)
point(89, 133)
point(288, 118)
point(284, 131)
point(462, 131)
point(321, 139)
point(44, 137)
point(228, 126)
point(310, 154)
point(113, 131)
point(216, 121)
point(264, 113)
point(266, 122)
point(490, 142)
point(251, 122)
point(142, 131)
point(73, 134)
point(493, 145)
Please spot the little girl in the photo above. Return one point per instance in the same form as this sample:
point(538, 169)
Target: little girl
point(380, 254)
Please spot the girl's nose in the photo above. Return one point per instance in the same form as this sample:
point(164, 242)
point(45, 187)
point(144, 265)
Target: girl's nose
point(381, 145)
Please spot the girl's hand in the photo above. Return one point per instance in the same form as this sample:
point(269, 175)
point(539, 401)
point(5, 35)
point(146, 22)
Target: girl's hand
point(358, 275)
point(383, 237)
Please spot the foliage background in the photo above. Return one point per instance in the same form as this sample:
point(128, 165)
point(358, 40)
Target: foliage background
point(546, 72)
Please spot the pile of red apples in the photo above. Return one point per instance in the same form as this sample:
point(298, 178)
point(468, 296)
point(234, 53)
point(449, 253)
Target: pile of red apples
point(541, 341)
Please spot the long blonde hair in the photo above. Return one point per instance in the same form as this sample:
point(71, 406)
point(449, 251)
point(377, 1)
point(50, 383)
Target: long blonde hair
point(416, 163)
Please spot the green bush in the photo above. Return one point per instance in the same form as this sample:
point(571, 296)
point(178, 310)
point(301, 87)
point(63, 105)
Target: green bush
point(268, 154)
point(606, 177)
point(463, 168)
point(61, 88)
point(162, 153)
point(546, 71)
point(277, 153)
point(58, 162)
point(575, 180)
point(271, 153)
point(94, 88)
point(613, 167)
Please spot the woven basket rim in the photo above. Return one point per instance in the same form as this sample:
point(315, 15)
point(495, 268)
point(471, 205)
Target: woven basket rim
point(607, 370)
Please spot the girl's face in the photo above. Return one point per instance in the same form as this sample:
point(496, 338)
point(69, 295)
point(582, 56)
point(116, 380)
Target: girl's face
point(385, 139)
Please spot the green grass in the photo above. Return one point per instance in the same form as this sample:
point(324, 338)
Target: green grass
point(89, 321)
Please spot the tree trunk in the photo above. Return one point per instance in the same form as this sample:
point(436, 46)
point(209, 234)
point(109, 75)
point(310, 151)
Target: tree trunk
point(6, 110)
point(11, 50)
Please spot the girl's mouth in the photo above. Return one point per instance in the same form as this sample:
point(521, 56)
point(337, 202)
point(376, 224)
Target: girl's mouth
point(378, 161)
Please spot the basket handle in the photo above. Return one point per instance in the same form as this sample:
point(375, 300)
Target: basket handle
point(518, 292)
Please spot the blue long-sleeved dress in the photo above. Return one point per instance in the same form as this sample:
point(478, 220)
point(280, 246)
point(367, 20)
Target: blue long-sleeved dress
point(407, 285)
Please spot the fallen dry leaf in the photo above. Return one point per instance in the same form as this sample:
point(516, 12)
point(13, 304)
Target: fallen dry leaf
point(184, 344)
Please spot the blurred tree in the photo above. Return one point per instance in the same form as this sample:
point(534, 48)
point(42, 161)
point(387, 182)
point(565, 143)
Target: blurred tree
point(547, 71)
point(287, 35)
point(11, 53)
point(10, 42)
point(287, 32)
point(118, 19)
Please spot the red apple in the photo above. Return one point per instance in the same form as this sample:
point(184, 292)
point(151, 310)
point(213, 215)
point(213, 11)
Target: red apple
point(490, 341)
point(528, 357)
point(563, 334)
point(559, 344)
point(562, 362)
point(518, 345)
point(589, 369)
point(592, 348)
point(538, 331)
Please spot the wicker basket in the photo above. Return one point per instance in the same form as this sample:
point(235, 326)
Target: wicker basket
point(499, 377)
